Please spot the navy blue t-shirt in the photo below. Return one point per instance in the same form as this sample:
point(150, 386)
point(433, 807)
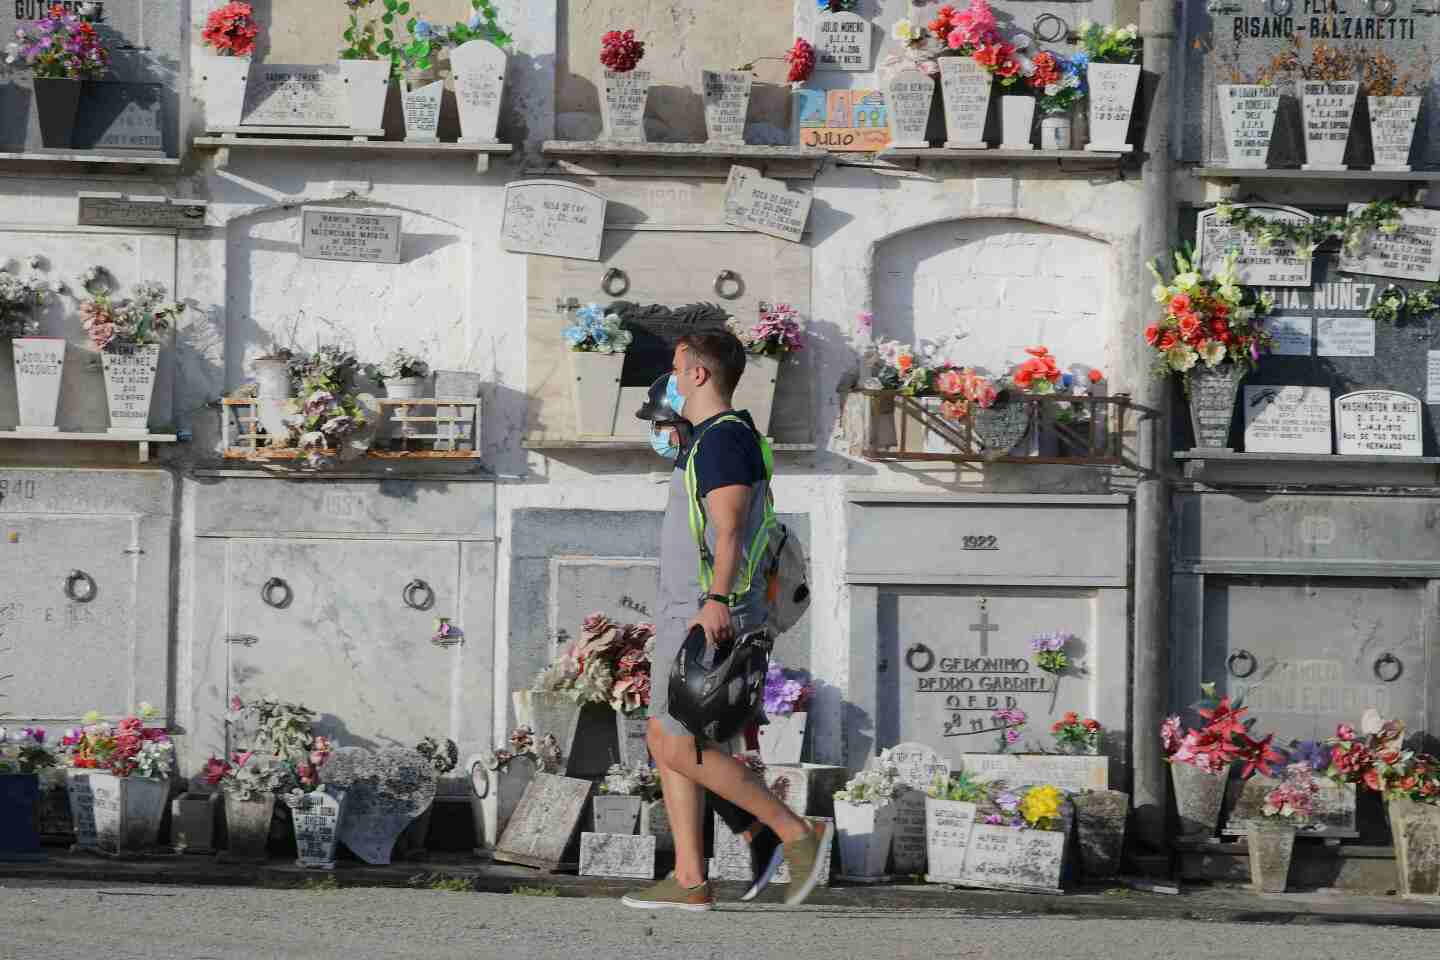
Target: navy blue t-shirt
point(729, 456)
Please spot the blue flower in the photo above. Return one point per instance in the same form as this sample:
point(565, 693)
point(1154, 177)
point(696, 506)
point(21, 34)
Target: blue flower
point(1066, 379)
point(590, 314)
point(1078, 62)
point(423, 30)
point(600, 335)
point(575, 335)
point(474, 22)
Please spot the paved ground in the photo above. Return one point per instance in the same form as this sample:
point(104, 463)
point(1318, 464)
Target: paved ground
point(66, 920)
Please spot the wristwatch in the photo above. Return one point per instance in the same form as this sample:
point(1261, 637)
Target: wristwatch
point(721, 598)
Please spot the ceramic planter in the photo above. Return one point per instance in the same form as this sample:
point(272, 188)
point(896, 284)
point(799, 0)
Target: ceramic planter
point(116, 814)
point(1055, 131)
point(1100, 817)
point(622, 105)
point(1392, 131)
point(367, 84)
point(39, 365)
point(315, 818)
point(20, 817)
point(596, 391)
point(420, 96)
point(782, 740)
point(1198, 797)
point(223, 79)
point(1212, 393)
point(129, 384)
point(1001, 428)
point(405, 388)
point(57, 102)
point(632, 730)
point(1247, 117)
point(1416, 830)
point(616, 814)
point(756, 390)
point(247, 826)
point(478, 68)
point(494, 795)
point(1271, 842)
point(1017, 116)
point(727, 101)
point(947, 835)
point(1112, 101)
point(865, 832)
point(548, 713)
point(965, 94)
point(908, 96)
point(1326, 108)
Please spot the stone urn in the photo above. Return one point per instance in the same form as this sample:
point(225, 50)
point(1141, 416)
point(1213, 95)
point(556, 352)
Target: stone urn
point(1100, 817)
point(1199, 795)
point(1416, 829)
point(1271, 841)
point(247, 826)
point(866, 833)
point(1211, 393)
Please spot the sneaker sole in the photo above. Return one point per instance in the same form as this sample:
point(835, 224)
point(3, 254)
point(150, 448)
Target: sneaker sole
point(767, 875)
point(798, 895)
point(666, 905)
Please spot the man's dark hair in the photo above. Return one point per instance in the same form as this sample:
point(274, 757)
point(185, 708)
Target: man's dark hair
point(720, 352)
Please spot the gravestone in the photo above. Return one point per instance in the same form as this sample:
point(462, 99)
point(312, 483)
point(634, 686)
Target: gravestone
point(330, 234)
point(909, 94)
point(1008, 858)
point(1345, 337)
point(734, 189)
point(130, 379)
point(1333, 815)
point(1293, 336)
point(907, 844)
point(809, 788)
point(727, 99)
point(842, 42)
point(119, 210)
point(316, 818)
point(1289, 419)
point(917, 764)
point(1278, 265)
point(731, 859)
point(1413, 253)
point(1071, 774)
point(623, 110)
point(553, 218)
point(543, 825)
point(478, 67)
point(420, 105)
point(965, 91)
point(617, 814)
point(610, 855)
point(1378, 423)
point(841, 121)
point(296, 95)
point(948, 825)
point(120, 117)
point(384, 791)
point(773, 209)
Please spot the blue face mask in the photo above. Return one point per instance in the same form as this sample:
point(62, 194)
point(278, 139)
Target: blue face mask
point(662, 439)
point(672, 395)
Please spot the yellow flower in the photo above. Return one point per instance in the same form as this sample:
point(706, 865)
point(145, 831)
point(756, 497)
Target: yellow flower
point(146, 710)
point(1041, 803)
point(92, 717)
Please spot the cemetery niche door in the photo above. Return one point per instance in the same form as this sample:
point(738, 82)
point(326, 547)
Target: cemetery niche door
point(345, 627)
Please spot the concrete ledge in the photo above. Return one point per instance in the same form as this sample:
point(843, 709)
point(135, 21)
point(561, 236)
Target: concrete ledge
point(1354, 868)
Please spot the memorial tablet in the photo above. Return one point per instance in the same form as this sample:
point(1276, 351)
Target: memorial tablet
point(296, 95)
point(1413, 253)
point(842, 42)
point(1009, 858)
point(773, 209)
point(1278, 265)
point(119, 210)
point(553, 218)
point(331, 234)
point(544, 822)
point(1378, 423)
point(1287, 419)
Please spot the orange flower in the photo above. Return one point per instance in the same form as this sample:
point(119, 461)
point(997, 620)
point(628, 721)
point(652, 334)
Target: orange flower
point(1024, 376)
point(1179, 303)
point(904, 362)
point(1096, 376)
point(1038, 351)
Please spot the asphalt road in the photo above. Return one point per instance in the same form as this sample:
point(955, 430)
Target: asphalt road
point(55, 922)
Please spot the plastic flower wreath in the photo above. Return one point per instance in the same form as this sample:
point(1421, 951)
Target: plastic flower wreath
point(595, 331)
point(231, 30)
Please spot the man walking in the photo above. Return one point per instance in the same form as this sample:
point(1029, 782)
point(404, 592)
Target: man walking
point(721, 482)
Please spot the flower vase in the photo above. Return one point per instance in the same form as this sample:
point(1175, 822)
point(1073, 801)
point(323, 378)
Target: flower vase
point(865, 832)
point(39, 367)
point(57, 103)
point(315, 818)
point(405, 388)
point(224, 80)
point(20, 817)
point(596, 391)
point(622, 105)
point(1017, 116)
point(616, 814)
point(632, 731)
point(130, 371)
point(1000, 428)
point(1247, 117)
point(1112, 101)
point(908, 97)
point(727, 101)
point(1100, 817)
point(947, 834)
point(1392, 131)
point(420, 95)
point(1271, 842)
point(965, 94)
point(1327, 107)
point(479, 68)
point(1211, 395)
point(782, 740)
point(549, 713)
point(494, 794)
point(1198, 797)
point(1416, 831)
point(367, 84)
point(756, 390)
point(247, 826)
point(1055, 131)
point(125, 811)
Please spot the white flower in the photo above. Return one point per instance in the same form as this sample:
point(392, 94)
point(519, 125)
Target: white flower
point(1213, 352)
point(1022, 41)
point(1181, 358)
point(1131, 31)
point(905, 31)
point(1051, 89)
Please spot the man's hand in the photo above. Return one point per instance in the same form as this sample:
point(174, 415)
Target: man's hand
point(714, 619)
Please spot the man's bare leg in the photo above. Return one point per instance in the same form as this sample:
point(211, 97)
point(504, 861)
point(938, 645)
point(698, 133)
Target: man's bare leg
point(685, 806)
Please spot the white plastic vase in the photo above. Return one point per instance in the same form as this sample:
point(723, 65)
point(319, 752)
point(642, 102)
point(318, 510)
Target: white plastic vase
point(1017, 116)
point(367, 83)
point(1247, 117)
point(756, 390)
point(782, 740)
point(420, 102)
point(865, 832)
point(622, 105)
point(129, 385)
point(1392, 131)
point(223, 79)
point(596, 379)
point(1055, 132)
point(39, 368)
point(478, 68)
point(1112, 102)
point(1327, 109)
point(965, 95)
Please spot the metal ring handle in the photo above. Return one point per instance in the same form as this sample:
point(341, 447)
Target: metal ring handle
point(480, 785)
point(1061, 29)
point(920, 648)
point(1390, 676)
point(1280, 8)
point(1382, 8)
point(607, 282)
point(418, 586)
point(80, 576)
point(267, 593)
point(729, 277)
point(1241, 655)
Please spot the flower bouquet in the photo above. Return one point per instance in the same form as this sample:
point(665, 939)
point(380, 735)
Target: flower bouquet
point(1077, 736)
point(329, 421)
point(787, 698)
point(777, 333)
point(950, 812)
point(128, 333)
point(118, 780)
point(1200, 759)
point(23, 755)
point(230, 33)
point(1271, 839)
point(39, 361)
point(1059, 85)
point(865, 819)
point(624, 90)
point(62, 49)
point(402, 373)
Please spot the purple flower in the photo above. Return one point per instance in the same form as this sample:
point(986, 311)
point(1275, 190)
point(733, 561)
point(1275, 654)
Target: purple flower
point(1007, 801)
point(994, 820)
point(1012, 736)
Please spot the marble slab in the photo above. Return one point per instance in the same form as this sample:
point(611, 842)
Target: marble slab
point(384, 791)
point(616, 855)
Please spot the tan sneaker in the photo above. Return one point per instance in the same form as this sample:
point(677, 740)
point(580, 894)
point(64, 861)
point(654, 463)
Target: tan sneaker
point(669, 895)
point(807, 858)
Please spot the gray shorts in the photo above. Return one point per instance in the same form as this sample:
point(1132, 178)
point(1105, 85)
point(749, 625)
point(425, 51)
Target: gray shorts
point(669, 638)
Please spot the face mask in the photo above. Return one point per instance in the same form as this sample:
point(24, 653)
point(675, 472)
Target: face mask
point(672, 395)
point(662, 442)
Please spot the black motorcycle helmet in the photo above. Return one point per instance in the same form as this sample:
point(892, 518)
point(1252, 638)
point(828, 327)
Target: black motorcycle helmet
point(716, 703)
point(656, 407)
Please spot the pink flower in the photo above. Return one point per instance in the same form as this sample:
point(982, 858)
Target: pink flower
point(1345, 732)
point(1170, 734)
point(236, 704)
point(867, 320)
point(215, 770)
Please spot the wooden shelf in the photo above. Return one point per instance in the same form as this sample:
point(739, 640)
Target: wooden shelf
point(482, 152)
point(142, 442)
point(79, 163)
point(999, 153)
point(239, 419)
point(1326, 458)
point(1290, 173)
point(617, 444)
point(711, 160)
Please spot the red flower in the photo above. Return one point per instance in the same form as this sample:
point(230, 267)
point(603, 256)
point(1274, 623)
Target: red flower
point(1152, 333)
point(1258, 755)
point(1179, 303)
point(1055, 727)
point(1223, 719)
point(1189, 325)
point(801, 58)
point(1096, 376)
point(621, 52)
point(1092, 725)
point(1168, 340)
point(1071, 716)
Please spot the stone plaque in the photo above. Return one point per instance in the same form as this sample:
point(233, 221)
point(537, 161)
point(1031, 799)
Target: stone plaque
point(1382, 423)
point(316, 818)
point(120, 116)
point(948, 824)
point(623, 111)
point(478, 67)
point(907, 844)
point(119, 210)
point(1327, 108)
point(1247, 112)
point(1333, 816)
point(1344, 337)
point(807, 788)
point(1411, 254)
point(727, 99)
point(616, 814)
point(384, 791)
point(909, 94)
point(296, 95)
point(1071, 774)
point(734, 189)
point(1008, 858)
point(918, 764)
point(1392, 130)
point(842, 121)
point(420, 106)
point(731, 860)
point(331, 234)
point(130, 381)
point(609, 855)
point(965, 91)
point(772, 209)
point(553, 218)
point(544, 823)
point(1287, 419)
point(82, 808)
point(621, 588)
point(1280, 265)
point(842, 42)
point(1294, 336)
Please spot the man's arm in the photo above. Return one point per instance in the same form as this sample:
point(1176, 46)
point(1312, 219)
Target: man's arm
point(725, 509)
